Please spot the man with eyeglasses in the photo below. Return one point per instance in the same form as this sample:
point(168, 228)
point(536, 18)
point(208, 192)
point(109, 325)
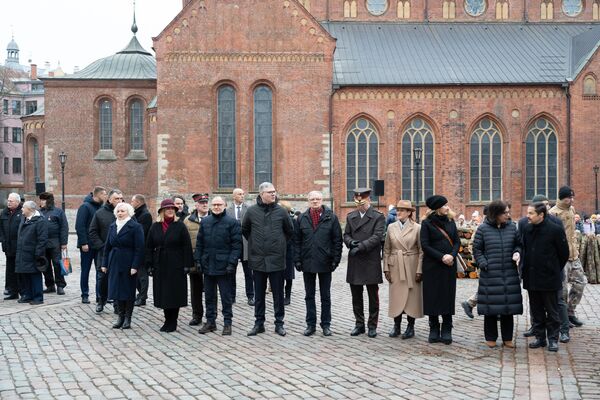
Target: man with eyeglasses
point(10, 218)
point(267, 227)
point(218, 249)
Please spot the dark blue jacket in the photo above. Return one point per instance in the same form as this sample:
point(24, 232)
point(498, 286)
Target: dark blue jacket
point(58, 227)
point(318, 250)
point(391, 217)
point(85, 213)
point(31, 245)
point(219, 243)
point(9, 230)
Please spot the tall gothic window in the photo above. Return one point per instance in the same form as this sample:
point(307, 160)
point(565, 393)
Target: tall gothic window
point(502, 9)
point(541, 160)
point(263, 135)
point(35, 149)
point(418, 134)
point(403, 10)
point(105, 125)
point(136, 125)
point(226, 136)
point(546, 10)
point(486, 162)
point(449, 9)
point(362, 156)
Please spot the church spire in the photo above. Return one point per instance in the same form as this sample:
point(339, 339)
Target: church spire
point(134, 27)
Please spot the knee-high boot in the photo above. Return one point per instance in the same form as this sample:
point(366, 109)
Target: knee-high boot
point(396, 329)
point(128, 305)
point(434, 329)
point(121, 315)
point(410, 328)
point(446, 329)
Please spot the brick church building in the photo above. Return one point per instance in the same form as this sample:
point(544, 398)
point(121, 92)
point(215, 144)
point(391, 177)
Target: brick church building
point(500, 96)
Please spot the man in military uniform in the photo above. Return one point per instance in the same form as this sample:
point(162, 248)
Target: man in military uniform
point(363, 235)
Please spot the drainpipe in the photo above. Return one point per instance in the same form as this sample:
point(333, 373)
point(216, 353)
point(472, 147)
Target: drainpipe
point(566, 87)
point(330, 129)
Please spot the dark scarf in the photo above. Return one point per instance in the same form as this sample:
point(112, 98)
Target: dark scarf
point(166, 222)
point(315, 215)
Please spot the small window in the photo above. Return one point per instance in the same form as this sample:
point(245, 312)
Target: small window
point(475, 8)
point(589, 86)
point(546, 10)
point(572, 8)
point(6, 137)
point(30, 107)
point(595, 12)
point(502, 10)
point(403, 9)
point(350, 9)
point(16, 107)
point(449, 9)
point(6, 166)
point(5, 106)
point(36, 160)
point(16, 166)
point(377, 7)
point(17, 134)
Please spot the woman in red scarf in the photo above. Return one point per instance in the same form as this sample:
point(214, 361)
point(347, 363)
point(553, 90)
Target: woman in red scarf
point(168, 259)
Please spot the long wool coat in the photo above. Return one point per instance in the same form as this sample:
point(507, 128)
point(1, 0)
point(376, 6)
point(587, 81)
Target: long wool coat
point(364, 268)
point(123, 251)
point(167, 255)
point(403, 258)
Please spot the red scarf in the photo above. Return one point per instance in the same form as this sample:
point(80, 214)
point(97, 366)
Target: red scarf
point(166, 222)
point(315, 215)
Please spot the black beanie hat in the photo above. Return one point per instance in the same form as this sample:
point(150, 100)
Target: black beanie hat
point(565, 192)
point(436, 201)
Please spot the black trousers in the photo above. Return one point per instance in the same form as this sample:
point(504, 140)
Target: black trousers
point(142, 283)
point(260, 287)
point(325, 292)
point(232, 284)
point(101, 279)
point(52, 274)
point(358, 307)
point(12, 278)
point(544, 313)
point(490, 327)
point(210, 290)
point(248, 280)
point(196, 288)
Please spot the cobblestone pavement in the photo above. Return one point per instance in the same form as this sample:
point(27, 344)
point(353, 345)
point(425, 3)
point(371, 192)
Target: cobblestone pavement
point(62, 349)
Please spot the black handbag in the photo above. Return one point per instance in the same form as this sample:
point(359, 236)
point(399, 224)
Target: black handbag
point(41, 263)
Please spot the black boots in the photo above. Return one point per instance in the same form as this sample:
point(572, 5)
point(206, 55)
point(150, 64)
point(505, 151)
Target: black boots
point(435, 336)
point(124, 316)
point(288, 292)
point(446, 335)
point(171, 316)
point(395, 332)
point(410, 328)
point(434, 329)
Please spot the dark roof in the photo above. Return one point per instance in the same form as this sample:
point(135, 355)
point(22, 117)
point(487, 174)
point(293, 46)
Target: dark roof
point(133, 62)
point(457, 53)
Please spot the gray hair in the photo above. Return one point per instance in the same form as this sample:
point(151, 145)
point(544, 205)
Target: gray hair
point(264, 186)
point(16, 196)
point(315, 193)
point(30, 205)
point(128, 207)
point(140, 198)
point(114, 191)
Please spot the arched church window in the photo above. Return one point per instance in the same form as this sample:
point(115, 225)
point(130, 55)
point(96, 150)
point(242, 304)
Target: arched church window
point(418, 134)
point(502, 10)
point(136, 125)
point(486, 162)
point(546, 10)
point(589, 86)
point(35, 150)
point(541, 160)
point(572, 8)
point(362, 156)
point(226, 136)
point(263, 135)
point(105, 129)
point(377, 7)
point(350, 9)
point(595, 10)
point(403, 10)
point(449, 9)
point(475, 8)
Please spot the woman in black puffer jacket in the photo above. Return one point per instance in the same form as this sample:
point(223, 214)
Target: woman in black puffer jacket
point(496, 249)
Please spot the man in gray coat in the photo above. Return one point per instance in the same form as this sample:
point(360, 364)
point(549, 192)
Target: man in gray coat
point(237, 209)
point(267, 227)
point(363, 235)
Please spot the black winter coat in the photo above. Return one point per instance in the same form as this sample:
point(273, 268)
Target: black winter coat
point(319, 250)
point(167, 255)
point(85, 213)
point(58, 227)
point(499, 290)
point(143, 217)
point(267, 227)
point(439, 279)
point(9, 230)
point(219, 244)
point(101, 221)
point(545, 253)
point(31, 244)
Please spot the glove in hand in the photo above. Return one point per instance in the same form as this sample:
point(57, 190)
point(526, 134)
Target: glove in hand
point(353, 251)
point(298, 266)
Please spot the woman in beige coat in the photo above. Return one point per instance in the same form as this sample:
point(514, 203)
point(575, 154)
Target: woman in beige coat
point(402, 262)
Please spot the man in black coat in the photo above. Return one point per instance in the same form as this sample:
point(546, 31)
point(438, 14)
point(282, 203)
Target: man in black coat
point(218, 249)
point(545, 251)
point(365, 228)
point(267, 227)
point(85, 213)
point(10, 218)
point(317, 251)
point(58, 237)
point(143, 217)
point(98, 233)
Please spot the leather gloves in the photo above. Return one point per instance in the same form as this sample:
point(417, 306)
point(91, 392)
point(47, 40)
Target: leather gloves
point(333, 266)
point(150, 271)
point(354, 243)
point(298, 266)
point(199, 267)
point(230, 269)
point(419, 278)
point(353, 251)
point(187, 270)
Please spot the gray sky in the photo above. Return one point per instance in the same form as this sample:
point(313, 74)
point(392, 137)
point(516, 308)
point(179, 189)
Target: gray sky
point(78, 32)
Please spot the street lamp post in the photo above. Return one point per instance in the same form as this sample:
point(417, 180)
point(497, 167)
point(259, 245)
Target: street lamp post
point(417, 154)
point(596, 169)
point(63, 160)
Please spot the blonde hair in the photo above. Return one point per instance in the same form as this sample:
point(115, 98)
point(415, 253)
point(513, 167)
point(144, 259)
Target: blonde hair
point(128, 207)
point(161, 216)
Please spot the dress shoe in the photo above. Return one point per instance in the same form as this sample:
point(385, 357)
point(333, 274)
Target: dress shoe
point(564, 337)
point(409, 332)
point(552, 345)
point(490, 343)
point(85, 300)
point(529, 332)
point(468, 309)
point(139, 302)
point(226, 330)
point(194, 321)
point(571, 326)
point(60, 291)
point(446, 333)
point(508, 343)
point(327, 331)
point(24, 300)
point(256, 329)
point(207, 327)
point(36, 302)
point(251, 301)
point(163, 328)
point(120, 321)
point(395, 332)
point(287, 301)
point(50, 289)
point(233, 300)
point(6, 292)
point(575, 321)
point(537, 344)
point(309, 331)
point(358, 330)
point(126, 323)
point(99, 307)
point(372, 332)
point(280, 330)
point(12, 297)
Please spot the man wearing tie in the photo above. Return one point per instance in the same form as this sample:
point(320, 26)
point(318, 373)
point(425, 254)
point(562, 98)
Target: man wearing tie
point(237, 209)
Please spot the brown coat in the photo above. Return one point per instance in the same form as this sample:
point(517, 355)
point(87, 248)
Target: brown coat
point(566, 213)
point(403, 258)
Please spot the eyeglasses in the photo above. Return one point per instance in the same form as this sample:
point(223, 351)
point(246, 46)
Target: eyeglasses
point(218, 205)
point(270, 191)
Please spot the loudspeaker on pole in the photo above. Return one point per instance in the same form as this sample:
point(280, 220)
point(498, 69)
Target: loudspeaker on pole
point(379, 187)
